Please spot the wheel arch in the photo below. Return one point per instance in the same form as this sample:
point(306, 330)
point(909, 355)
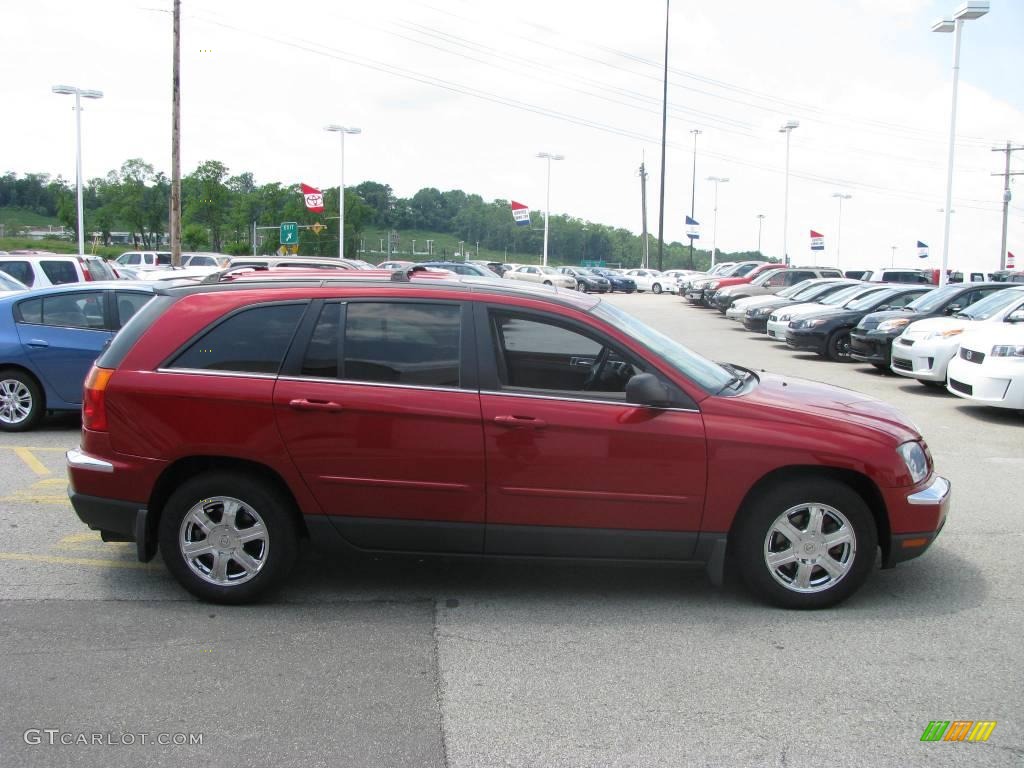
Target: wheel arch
point(860, 483)
point(190, 466)
point(28, 372)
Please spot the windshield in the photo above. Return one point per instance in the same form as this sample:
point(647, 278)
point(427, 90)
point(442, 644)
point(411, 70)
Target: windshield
point(794, 291)
point(839, 298)
point(582, 271)
point(990, 305)
point(8, 283)
point(711, 376)
point(550, 271)
point(871, 299)
point(742, 270)
point(764, 277)
point(933, 300)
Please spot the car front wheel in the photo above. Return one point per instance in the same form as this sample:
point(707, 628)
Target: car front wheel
point(21, 401)
point(227, 537)
point(656, 288)
point(806, 544)
point(838, 346)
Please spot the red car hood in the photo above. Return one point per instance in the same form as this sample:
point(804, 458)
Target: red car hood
point(820, 405)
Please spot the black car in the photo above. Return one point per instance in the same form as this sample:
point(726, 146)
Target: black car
point(828, 332)
point(756, 319)
point(587, 280)
point(619, 283)
point(871, 341)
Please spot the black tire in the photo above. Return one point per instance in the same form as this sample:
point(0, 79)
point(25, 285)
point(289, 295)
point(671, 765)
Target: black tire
point(881, 367)
point(259, 501)
point(547, 282)
point(837, 348)
point(753, 541)
point(23, 386)
point(656, 288)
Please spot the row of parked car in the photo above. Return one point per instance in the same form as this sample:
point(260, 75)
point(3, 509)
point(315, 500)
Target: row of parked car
point(966, 337)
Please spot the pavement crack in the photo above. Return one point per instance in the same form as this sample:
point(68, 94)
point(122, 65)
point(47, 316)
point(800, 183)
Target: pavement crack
point(439, 689)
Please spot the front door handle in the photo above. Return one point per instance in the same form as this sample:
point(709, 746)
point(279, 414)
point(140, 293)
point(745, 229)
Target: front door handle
point(520, 421)
point(304, 404)
point(38, 343)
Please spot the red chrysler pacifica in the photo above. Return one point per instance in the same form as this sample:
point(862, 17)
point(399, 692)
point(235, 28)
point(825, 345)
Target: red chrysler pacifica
point(388, 412)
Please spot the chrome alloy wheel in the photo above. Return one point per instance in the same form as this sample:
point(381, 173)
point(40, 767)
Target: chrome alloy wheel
point(224, 541)
point(810, 548)
point(15, 401)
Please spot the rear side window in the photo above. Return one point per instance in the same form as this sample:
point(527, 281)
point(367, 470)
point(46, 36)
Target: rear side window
point(67, 310)
point(792, 278)
point(321, 358)
point(59, 272)
point(402, 343)
point(163, 259)
point(98, 269)
point(19, 270)
point(128, 304)
point(251, 341)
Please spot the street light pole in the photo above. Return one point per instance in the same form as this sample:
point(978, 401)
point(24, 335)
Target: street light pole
point(714, 237)
point(760, 221)
point(79, 94)
point(892, 261)
point(973, 9)
point(341, 130)
point(786, 129)
point(547, 206)
point(693, 189)
point(839, 227)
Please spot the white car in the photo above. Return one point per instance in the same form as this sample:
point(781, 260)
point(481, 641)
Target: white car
point(989, 367)
point(651, 280)
point(39, 269)
point(779, 320)
point(924, 349)
point(145, 259)
point(738, 309)
point(542, 275)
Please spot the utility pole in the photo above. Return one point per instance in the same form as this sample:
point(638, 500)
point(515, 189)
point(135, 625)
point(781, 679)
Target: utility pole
point(643, 211)
point(1006, 174)
point(693, 188)
point(176, 140)
point(760, 221)
point(664, 127)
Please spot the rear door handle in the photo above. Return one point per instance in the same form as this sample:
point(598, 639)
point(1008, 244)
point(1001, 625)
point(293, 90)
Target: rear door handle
point(520, 421)
point(38, 343)
point(315, 405)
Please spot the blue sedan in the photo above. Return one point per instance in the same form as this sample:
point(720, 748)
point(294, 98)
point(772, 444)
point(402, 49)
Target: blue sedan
point(50, 337)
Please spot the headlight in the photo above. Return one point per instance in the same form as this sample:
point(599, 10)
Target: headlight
point(812, 323)
point(944, 334)
point(1008, 350)
point(893, 325)
point(759, 312)
point(713, 285)
point(916, 461)
point(783, 318)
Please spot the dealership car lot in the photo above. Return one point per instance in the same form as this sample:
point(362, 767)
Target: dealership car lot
point(524, 663)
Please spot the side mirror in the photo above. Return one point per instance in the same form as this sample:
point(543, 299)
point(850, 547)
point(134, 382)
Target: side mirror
point(1016, 316)
point(645, 389)
point(952, 309)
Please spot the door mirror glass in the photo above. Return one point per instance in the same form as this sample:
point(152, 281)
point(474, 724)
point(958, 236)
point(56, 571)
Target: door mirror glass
point(1016, 316)
point(952, 309)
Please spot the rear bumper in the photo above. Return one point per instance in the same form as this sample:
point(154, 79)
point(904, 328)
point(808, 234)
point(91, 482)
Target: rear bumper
point(112, 515)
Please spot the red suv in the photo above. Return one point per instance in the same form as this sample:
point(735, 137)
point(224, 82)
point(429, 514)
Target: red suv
point(229, 420)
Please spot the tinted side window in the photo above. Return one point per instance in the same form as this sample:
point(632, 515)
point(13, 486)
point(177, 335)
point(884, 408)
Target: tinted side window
point(902, 301)
point(59, 272)
point(402, 343)
point(792, 278)
point(98, 269)
point(163, 259)
point(19, 270)
point(69, 310)
point(128, 304)
point(321, 357)
point(30, 311)
point(252, 341)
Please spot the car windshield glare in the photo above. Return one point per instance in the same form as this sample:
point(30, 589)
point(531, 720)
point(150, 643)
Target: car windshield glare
point(764, 277)
point(709, 375)
point(932, 300)
point(990, 305)
point(869, 300)
point(549, 271)
point(794, 291)
point(841, 297)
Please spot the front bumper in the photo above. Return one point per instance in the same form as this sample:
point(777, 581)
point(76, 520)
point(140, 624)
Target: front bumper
point(870, 347)
point(777, 329)
point(756, 324)
point(916, 520)
point(810, 338)
point(926, 360)
point(999, 383)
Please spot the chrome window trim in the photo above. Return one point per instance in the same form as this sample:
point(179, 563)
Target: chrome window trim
point(393, 385)
point(620, 403)
point(213, 372)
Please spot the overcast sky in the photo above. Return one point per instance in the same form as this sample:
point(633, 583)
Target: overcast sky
point(464, 93)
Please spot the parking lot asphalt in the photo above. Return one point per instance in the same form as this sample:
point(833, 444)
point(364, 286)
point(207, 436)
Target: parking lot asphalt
point(504, 663)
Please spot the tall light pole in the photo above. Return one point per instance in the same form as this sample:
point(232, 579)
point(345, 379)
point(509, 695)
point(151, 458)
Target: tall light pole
point(973, 9)
point(714, 236)
point(786, 129)
point(547, 206)
point(892, 261)
point(693, 187)
point(341, 130)
point(760, 221)
point(79, 94)
point(839, 227)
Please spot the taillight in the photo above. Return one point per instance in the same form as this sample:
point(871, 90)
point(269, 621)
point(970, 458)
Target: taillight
point(94, 403)
point(85, 270)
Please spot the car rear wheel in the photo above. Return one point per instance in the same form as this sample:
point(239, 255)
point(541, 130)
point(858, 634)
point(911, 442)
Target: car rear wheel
point(547, 282)
point(21, 401)
point(838, 346)
point(806, 544)
point(227, 537)
point(656, 287)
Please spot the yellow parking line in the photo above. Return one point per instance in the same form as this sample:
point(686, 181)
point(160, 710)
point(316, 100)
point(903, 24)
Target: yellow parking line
point(38, 498)
point(29, 458)
point(90, 561)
